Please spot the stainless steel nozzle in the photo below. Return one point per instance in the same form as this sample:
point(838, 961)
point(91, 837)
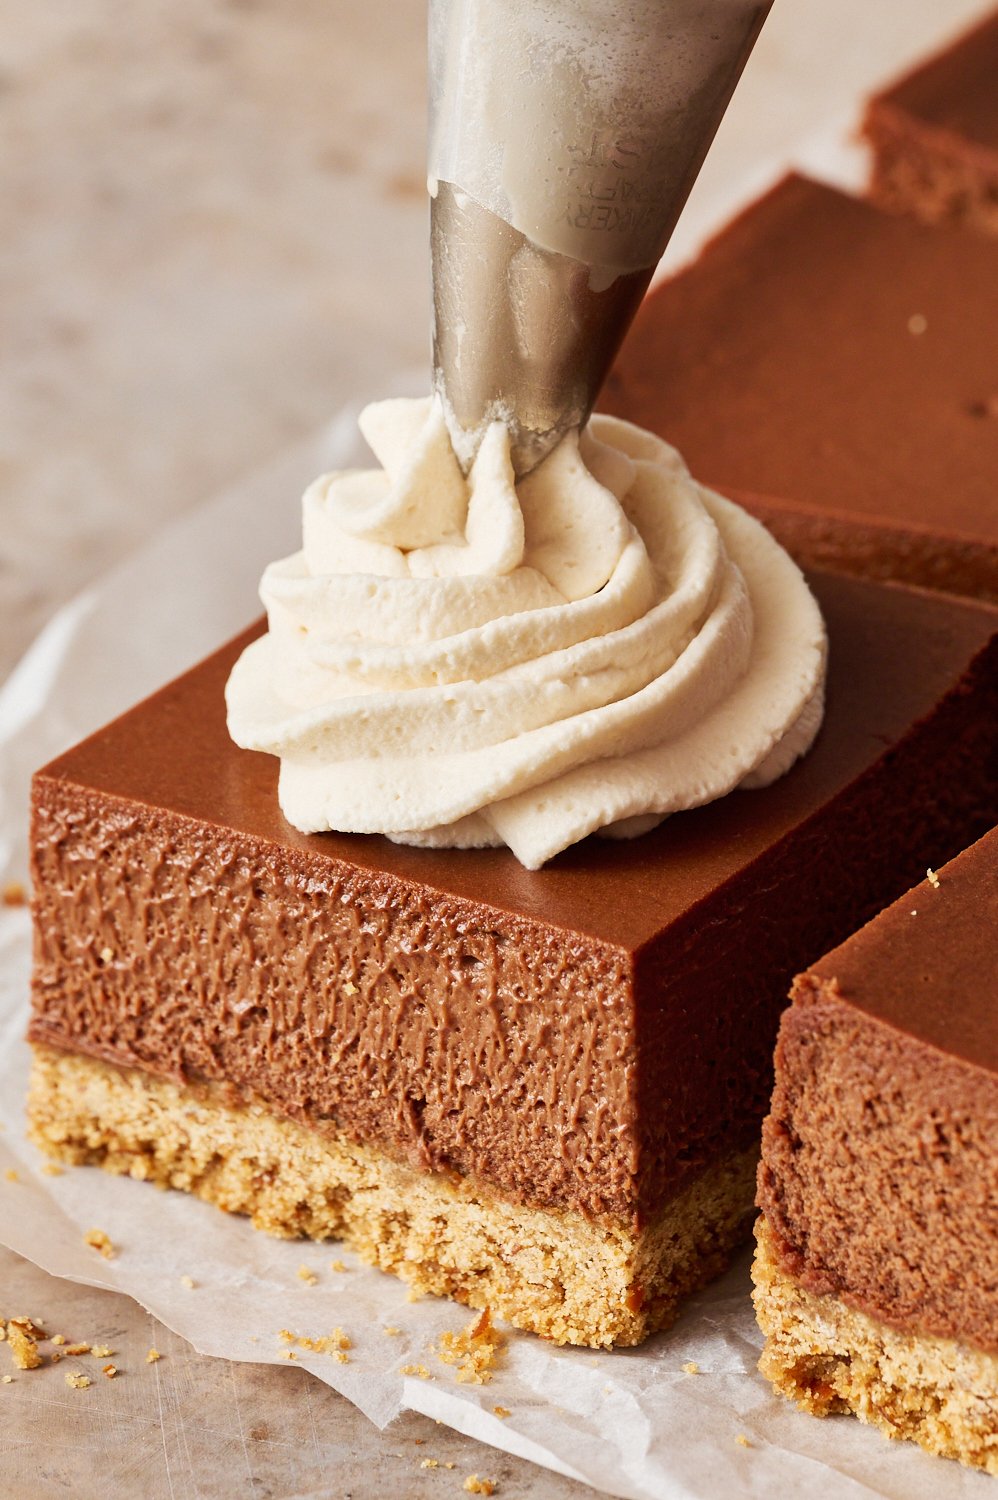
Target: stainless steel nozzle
point(566, 135)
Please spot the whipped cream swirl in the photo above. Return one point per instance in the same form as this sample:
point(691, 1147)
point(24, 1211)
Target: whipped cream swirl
point(472, 661)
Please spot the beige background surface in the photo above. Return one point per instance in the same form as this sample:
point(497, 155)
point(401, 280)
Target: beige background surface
point(215, 231)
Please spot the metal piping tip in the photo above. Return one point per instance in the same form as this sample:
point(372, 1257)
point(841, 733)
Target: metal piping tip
point(565, 138)
point(520, 334)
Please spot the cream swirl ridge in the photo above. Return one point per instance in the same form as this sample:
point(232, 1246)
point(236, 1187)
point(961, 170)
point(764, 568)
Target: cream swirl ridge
point(464, 662)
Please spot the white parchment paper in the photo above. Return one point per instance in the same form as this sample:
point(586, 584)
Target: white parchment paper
point(630, 1423)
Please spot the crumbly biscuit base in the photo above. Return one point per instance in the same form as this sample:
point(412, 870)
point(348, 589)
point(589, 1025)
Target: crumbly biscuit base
point(552, 1271)
point(831, 1358)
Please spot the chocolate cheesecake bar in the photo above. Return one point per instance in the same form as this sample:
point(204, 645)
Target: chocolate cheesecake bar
point(877, 1268)
point(536, 1091)
point(934, 136)
point(832, 368)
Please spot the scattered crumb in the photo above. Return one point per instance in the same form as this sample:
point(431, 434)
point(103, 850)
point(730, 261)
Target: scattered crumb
point(502, 1412)
point(78, 1382)
point(914, 911)
point(23, 1336)
point(450, 1466)
point(106, 955)
point(77, 1349)
point(110, 1371)
point(58, 1338)
point(13, 894)
point(391, 1330)
point(350, 988)
point(413, 1294)
point(11, 1175)
point(917, 323)
point(51, 1169)
point(742, 1440)
point(6, 1379)
point(188, 1282)
point(289, 1354)
point(691, 1368)
point(474, 1350)
point(337, 1265)
point(153, 1356)
point(101, 1351)
point(306, 1274)
point(932, 878)
point(476, 1486)
point(99, 1241)
point(430, 1463)
point(335, 1344)
point(419, 1370)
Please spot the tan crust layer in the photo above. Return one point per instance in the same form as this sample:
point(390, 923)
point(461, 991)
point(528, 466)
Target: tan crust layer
point(553, 1272)
point(830, 1358)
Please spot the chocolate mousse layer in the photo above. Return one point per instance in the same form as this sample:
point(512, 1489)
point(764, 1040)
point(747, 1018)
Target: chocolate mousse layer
point(832, 368)
point(934, 135)
point(591, 1035)
point(879, 1179)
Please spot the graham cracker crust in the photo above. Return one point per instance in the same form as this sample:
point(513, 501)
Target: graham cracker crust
point(830, 1358)
point(551, 1271)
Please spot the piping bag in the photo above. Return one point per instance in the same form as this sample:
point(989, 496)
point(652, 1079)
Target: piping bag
point(565, 136)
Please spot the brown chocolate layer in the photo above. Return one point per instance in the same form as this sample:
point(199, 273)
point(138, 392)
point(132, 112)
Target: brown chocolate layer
point(590, 1034)
point(880, 1156)
point(935, 135)
point(832, 368)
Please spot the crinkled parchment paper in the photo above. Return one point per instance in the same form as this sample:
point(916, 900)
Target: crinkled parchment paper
point(631, 1423)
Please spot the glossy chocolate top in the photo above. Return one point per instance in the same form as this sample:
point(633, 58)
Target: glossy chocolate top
point(894, 652)
point(928, 965)
point(826, 355)
point(955, 91)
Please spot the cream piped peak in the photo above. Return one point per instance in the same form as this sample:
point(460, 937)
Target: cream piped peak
point(461, 662)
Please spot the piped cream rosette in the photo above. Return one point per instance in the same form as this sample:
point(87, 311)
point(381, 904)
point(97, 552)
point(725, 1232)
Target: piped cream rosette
point(461, 661)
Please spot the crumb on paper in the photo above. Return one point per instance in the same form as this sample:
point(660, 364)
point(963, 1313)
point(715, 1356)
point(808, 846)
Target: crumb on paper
point(288, 1354)
point(101, 1351)
point(691, 1367)
point(153, 1356)
point(337, 1265)
point(391, 1330)
point(110, 1371)
point(51, 1169)
point(419, 1370)
point(188, 1282)
point(13, 893)
point(11, 1175)
point(502, 1412)
point(474, 1350)
point(76, 1349)
point(59, 1338)
point(335, 1344)
point(917, 323)
point(99, 1241)
point(932, 878)
point(451, 1465)
point(6, 1379)
point(478, 1486)
point(742, 1440)
point(77, 1381)
point(430, 1463)
point(306, 1274)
